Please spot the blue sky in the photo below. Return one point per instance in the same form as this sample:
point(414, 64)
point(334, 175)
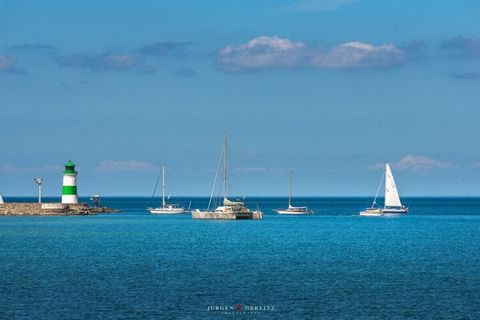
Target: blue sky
point(326, 88)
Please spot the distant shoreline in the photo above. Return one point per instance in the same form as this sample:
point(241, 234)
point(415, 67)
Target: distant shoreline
point(86, 198)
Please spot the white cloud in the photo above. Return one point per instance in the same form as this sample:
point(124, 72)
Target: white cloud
point(126, 166)
point(319, 5)
point(359, 55)
point(261, 52)
point(274, 52)
point(413, 163)
point(416, 163)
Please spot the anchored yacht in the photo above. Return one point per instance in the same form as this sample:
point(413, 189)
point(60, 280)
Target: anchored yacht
point(230, 210)
point(392, 204)
point(291, 209)
point(166, 208)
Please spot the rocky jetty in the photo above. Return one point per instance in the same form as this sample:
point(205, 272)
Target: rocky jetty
point(51, 209)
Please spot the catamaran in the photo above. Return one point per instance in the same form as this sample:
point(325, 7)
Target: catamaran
point(392, 203)
point(291, 209)
point(230, 210)
point(166, 208)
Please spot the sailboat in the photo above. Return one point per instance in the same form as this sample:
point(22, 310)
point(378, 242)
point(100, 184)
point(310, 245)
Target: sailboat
point(392, 204)
point(230, 210)
point(166, 208)
point(291, 209)
point(1, 199)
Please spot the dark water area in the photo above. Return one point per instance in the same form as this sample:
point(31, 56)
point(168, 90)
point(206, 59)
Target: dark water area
point(331, 265)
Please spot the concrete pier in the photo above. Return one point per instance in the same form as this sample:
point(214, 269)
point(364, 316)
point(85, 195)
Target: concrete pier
point(51, 209)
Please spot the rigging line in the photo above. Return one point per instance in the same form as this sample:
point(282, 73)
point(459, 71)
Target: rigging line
point(378, 190)
point(156, 184)
point(215, 180)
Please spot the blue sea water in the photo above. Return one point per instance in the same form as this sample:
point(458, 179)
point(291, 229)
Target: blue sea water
point(331, 265)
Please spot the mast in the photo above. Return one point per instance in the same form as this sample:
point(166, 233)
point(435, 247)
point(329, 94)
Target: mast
point(290, 190)
point(163, 186)
point(225, 168)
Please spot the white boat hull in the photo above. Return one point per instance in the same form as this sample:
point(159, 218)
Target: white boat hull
point(291, 212)
point(167, 210)
point(368, 213)
point(377, 212)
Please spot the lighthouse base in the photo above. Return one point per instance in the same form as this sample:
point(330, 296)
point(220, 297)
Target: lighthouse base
point(70, 199)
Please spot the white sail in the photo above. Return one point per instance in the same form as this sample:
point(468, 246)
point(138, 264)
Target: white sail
point(1, 199)
point(392, 199)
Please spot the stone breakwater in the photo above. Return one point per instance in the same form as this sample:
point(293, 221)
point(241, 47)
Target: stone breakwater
point(51, 209)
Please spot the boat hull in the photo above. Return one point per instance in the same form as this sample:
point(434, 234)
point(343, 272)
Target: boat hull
point(377, 212)
point(395, 211)
point(291, 212)
point(227, 215)
point(368, 213)
point(167, 211)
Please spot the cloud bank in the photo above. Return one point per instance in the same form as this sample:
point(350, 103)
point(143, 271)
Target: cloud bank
point(462, 47)
point(274, 52)
point(101, 62)
point(414, 163)
point(121, 61)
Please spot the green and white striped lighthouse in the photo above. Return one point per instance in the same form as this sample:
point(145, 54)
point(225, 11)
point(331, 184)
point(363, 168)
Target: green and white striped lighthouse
point(69, 193)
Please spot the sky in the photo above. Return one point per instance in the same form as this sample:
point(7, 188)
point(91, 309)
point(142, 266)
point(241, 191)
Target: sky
point(328, 89)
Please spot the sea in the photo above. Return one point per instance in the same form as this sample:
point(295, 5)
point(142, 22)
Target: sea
point(330, 265)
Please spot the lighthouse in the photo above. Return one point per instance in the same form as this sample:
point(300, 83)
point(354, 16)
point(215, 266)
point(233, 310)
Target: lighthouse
point(69, 193)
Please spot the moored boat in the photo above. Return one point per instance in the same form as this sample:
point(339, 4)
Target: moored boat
point(230, 210)
point(166, 208)
point(291, 209)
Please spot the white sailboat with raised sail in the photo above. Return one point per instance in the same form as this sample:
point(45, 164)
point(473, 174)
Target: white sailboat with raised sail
point(291, 209)
point(230, 210)
point(392, 204)
point(166, 208)
point(1, 199)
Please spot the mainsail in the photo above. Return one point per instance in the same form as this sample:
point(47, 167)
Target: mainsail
point(392, 198)
point(1, 199)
